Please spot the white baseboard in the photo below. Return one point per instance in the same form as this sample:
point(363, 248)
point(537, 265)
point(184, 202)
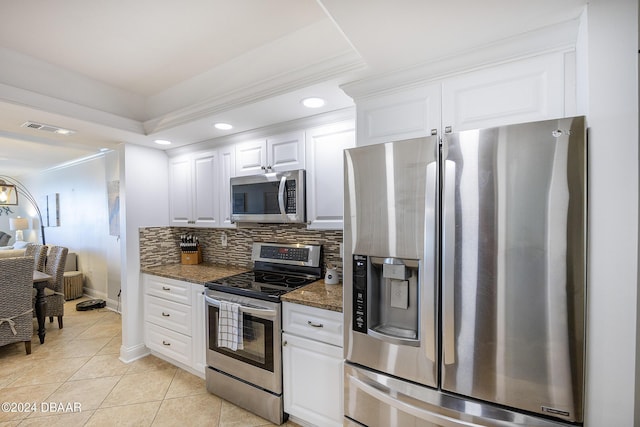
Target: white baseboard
point(131, 354)
point(112, 304)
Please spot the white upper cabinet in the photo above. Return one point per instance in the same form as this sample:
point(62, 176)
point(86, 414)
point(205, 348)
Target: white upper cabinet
point(277, 153)
point(180, 192)
point(227, 171)
point(325, 173)
point(205, 189)
point(193, 181)
point(405, 114)
point(527, 90)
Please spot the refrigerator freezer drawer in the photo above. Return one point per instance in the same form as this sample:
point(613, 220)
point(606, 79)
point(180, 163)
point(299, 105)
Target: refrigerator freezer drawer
point(377, 400)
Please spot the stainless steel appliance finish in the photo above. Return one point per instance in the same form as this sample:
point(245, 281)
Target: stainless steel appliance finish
point(251, 377)
point(381, 400)
point(274, 197)
point(510, 297)
point(390, 223)
point(256, 363)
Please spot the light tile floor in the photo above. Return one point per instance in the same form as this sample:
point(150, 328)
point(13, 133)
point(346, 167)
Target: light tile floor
point(76, 379)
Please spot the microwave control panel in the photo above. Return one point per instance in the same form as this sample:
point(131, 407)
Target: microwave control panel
point(360, 293)
point(290, 189)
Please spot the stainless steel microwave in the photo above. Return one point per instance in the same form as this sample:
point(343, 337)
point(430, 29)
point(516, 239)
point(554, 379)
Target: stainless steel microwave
point(277, 197)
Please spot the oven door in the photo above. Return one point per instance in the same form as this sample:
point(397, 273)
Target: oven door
point(260, 361)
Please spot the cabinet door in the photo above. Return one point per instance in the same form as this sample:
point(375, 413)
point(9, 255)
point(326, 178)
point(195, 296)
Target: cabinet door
point(402, 115)
point(312, 375)
point(251, 157)
point(180, 191)
point(199, 330)
point(522, 91)
point(205, 189)
point(325, 173)
point(227, 170)
point(286, 152)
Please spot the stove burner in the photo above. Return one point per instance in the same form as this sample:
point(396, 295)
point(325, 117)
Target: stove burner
point(277, 269)
point(295, 280)
point(259, 284)
point(268, 277)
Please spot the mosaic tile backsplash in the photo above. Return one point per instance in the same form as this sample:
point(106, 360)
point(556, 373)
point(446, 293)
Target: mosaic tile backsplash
point(160, 245)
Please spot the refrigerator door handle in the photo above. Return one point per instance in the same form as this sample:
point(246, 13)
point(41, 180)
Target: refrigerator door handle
point(386, 396)
point(428, 277)
point(448, 257)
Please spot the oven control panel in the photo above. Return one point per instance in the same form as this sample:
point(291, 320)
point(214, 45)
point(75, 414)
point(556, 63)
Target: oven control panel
point(286, 253)
point(293, 254)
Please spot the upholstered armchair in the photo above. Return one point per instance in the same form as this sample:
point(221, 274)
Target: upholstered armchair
point(39, 253)
point(16, 284)
point(54, 292)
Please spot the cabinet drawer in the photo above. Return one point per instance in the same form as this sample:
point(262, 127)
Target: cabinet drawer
point(168, 314)
point(172, 290)
point(313, 323)
point(169, 343)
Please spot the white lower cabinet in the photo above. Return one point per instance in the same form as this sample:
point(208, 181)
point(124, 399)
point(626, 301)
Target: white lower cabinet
point(174, 322)
point(312, 365)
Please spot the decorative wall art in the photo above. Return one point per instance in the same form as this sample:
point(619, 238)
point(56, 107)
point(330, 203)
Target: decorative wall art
point(113, 194)
point(50, 207)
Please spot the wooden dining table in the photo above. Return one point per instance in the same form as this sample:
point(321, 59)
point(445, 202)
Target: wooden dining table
point(40, 280)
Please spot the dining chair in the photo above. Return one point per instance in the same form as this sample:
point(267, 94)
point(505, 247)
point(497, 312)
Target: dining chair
point(54, 292)
point(16, 283)
point(39, 253)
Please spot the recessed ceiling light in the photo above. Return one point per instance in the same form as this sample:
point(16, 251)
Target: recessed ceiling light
point(162, 142)
point(313, 102)
point(223, 126)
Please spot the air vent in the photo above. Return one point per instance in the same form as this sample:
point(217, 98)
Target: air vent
point(47, 128)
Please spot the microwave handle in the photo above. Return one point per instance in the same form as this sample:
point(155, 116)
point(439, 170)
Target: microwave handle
point(281, 195)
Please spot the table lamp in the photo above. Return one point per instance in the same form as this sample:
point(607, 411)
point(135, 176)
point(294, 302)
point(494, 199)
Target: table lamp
point(18, 224)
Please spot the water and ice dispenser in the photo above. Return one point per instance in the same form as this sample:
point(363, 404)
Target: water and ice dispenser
point(385, 298)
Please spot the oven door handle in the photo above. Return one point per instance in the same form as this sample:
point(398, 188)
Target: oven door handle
point(255, 311)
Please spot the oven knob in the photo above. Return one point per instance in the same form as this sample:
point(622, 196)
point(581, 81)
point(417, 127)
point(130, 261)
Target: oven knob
point(284, 343)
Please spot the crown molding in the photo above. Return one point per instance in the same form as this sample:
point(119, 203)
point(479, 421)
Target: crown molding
point(339, 66)
point(37, 101)
point(554, 38)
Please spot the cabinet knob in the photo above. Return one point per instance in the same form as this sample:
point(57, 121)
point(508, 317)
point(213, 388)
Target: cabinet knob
point(164, 288)
point(165, 314)
point(166, 343)
point(448, 129)
point(284, 343)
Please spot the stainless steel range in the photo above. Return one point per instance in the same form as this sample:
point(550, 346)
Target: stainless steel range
point(247, 369)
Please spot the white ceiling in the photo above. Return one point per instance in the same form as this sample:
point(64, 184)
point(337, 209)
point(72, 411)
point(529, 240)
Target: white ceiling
point(137, 70)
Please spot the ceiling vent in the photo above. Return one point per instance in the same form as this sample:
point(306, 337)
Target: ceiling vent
point(47, 128)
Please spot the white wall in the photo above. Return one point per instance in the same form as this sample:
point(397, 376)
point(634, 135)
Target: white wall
point(83, 217)
point(612, 339)
point(144, 180)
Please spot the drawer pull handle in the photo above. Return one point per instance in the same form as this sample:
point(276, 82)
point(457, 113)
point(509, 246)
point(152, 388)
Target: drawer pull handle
point(164, 288)
point(166, 343)
point(165, 314)
point(315, 325)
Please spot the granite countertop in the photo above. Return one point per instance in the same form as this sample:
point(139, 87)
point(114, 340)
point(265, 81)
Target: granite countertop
point(317, 294)
point(197, 273)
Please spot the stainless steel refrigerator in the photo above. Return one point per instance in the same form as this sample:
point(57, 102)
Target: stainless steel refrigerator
point(464, 278)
